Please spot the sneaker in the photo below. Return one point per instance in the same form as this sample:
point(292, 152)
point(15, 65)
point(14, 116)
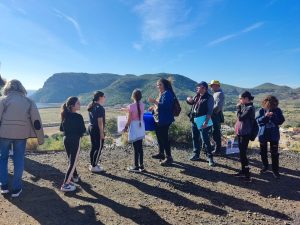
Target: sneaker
point(16, 193)
point(68, 188)
point(142, 169)
point(276, 175)
point(211, 162)
point(195, 158)
point(96, 169)
point(75, 179)
point(133, 169)
point(4, 189)
point(167, 162)
point(263, 170)
point(240, 174)
point(159, 156)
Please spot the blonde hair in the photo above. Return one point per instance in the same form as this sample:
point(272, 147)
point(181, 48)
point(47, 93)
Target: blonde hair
point(14, 85)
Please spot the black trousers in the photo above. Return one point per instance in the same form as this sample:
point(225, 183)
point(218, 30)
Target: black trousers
point(138, 153)
point(72, 147)
point(243, 142)
point(162, 134)
point(97, 145)
point(217, 136)
point(274, 154)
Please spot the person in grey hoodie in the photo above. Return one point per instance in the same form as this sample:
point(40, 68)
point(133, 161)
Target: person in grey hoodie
point(217, 116)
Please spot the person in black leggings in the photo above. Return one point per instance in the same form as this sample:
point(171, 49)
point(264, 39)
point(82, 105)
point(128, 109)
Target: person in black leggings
point(137, 130)
point(96, 130)
point(72, 124)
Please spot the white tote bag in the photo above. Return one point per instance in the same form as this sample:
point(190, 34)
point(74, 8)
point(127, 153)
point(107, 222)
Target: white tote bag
point(136, 132)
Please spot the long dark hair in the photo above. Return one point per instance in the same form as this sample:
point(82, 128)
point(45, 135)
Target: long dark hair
point(137, 96)
point(167, 84)
point(96, 97)
point(67, 107)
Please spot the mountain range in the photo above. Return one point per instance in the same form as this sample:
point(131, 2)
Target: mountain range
point(118, 88)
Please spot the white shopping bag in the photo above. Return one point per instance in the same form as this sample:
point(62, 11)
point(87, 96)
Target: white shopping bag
point(232, 146)
point(121, 120)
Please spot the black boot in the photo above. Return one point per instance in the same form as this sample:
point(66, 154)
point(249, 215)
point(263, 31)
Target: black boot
point(275, 165)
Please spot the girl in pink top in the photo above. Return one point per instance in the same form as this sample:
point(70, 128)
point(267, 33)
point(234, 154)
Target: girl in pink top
point(136, 124)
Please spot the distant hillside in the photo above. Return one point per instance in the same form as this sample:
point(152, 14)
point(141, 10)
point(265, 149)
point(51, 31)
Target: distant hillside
point(118, 88)
point(60, 86)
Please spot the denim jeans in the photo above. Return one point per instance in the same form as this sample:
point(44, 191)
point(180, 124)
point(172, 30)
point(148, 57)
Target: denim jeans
point(18, 159)
point(197, 141)
point(205, 135)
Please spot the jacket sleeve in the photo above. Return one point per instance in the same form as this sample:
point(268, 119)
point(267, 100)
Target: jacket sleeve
point(261, 118)
point(243, 115)
point(210, 105)
point(36, 123)
point(277, 117)
point(1, 110)
point(166, 101)
point(82, 125)
point(218, 102)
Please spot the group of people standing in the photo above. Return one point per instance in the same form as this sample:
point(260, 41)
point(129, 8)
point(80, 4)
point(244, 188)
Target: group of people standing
point(20, 120)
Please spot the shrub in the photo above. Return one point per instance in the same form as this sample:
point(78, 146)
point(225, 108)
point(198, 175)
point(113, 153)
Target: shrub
point(111, 126)
point(32, 144)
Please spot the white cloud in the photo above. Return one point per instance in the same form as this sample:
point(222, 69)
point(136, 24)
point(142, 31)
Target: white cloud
point(167, 19)
point(235, 35)
point(137, 46)
point(74, 23)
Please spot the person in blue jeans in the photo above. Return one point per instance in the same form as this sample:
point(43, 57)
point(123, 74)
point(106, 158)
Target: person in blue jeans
point(202, 105)
point(20, 120)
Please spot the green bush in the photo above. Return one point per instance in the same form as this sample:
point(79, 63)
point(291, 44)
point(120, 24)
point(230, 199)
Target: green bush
point(111, 126)
point(55, 142)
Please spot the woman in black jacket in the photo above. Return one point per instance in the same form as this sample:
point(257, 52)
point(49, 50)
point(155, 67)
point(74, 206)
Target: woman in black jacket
point(243, 129)
point(72, 124)
point(269, 118)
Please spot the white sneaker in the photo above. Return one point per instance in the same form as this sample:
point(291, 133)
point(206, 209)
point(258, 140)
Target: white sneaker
point(75, 179)
point(16, 193)
point(96, 169)
point(68, 188)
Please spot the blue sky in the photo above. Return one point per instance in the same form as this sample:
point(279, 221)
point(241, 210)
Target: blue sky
point(239, 42)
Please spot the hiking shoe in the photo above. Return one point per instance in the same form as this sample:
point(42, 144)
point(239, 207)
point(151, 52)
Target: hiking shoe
point(142, 169)
point(240, 174)
point(195, 158)
point(167, 162)
point(159, 156)
point(276, 175)
point(16, 193)
point(75, 179)
point(133, 169)
point(96, 169)
point(4, 189)
point(211, 162)
point(263, 170)
point(68, 188)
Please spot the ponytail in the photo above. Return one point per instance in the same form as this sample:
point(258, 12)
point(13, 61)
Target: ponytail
point(137, 96)
point(66, 108)
point(139, 112)
point(96, 97)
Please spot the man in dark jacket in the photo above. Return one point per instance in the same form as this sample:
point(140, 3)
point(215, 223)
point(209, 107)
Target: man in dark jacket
point(202, 105)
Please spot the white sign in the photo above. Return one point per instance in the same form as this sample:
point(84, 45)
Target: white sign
point(122, 120)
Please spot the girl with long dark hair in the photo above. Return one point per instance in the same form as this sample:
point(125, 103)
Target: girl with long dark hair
point(96, 130)
point(137, 130)
point(163, 115)
point(72, 124)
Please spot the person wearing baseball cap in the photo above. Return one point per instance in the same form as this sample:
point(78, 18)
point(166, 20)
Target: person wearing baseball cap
point(217, 116)
point(202, 105)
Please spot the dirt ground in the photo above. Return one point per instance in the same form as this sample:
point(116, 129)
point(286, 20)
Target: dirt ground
point(186, 193)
